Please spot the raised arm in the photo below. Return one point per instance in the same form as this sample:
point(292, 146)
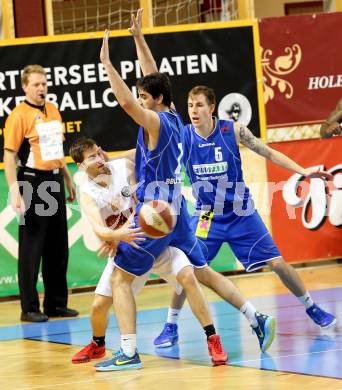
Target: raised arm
point(144, 117)
point(246, 137)
point(147, 63)
point(145, 57)
point(332, 125)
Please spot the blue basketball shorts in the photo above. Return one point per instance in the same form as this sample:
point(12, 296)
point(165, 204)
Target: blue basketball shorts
point(247, 236)
point(137, 261)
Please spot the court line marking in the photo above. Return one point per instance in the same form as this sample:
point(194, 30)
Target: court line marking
point(284, 356)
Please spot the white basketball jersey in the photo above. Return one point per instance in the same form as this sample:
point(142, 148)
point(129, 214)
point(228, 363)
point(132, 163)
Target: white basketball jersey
point(115, 202)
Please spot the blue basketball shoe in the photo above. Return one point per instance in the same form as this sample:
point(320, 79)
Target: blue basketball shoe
point(167, 337)
point(320, 317)
point(265, 330)
point(120, 361)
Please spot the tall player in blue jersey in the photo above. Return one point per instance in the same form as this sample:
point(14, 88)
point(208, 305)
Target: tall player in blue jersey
point(224, 209)
point(263, 325)
point(158, 167)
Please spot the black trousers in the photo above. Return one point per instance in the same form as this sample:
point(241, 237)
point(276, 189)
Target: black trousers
point(43, 235)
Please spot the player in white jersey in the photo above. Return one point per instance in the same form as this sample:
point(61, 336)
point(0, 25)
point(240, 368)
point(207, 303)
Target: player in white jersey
point(107, 198)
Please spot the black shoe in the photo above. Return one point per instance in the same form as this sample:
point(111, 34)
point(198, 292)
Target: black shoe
point(33, 316)
point(61, 312)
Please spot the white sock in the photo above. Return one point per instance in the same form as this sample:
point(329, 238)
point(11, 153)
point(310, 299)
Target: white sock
point(172, 316)
point(306, 300)
point(249, 311)
point(129, 344)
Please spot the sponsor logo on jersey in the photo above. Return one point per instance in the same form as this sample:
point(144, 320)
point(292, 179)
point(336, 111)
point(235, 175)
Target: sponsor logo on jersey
point(225, 128)
point(174, 180)
point(126, 192)
point(208, 169)
point(207, 144)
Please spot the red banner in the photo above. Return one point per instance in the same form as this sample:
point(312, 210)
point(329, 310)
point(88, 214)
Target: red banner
point(302, 67)
point(306, 214)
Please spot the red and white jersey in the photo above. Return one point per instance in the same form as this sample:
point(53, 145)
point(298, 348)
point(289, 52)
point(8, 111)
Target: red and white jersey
point(115, 202)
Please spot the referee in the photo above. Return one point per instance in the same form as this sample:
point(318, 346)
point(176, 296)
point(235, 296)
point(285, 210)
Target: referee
point(35, 168)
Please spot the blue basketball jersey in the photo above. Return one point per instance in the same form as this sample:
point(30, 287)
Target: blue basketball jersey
point(213, 165)
point(158, 174)
point(158, 171)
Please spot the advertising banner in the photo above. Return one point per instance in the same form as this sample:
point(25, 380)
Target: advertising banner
point(85, 267)
point(306, 214)
point(220, 55)
point(302, 67)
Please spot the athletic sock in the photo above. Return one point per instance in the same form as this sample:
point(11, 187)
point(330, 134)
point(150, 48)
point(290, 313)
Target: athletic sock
point(249, 311)
point(99, 340)
point(129, 344)
point(209, 330)
point(306, 300)
point(172, 316)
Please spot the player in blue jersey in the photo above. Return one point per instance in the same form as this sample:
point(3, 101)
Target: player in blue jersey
point(224, 209)
point(264, 326)
point(158, 165)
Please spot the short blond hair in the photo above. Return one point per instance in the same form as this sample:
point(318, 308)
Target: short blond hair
point(29, 69)
point(208, 93)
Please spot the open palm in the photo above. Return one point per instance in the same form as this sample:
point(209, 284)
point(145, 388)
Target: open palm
point(135, 28)
point(104, 53)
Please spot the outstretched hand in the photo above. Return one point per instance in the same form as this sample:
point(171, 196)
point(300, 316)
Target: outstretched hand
point(104, 53)
point(136, 23)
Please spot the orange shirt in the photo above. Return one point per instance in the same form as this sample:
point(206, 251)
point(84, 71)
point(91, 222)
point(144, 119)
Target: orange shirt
point(35, 136)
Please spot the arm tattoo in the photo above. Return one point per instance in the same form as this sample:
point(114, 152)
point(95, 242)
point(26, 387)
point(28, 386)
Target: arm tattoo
point(248, 139)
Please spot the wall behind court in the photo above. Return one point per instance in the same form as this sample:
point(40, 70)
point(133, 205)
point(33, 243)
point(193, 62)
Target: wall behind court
point(269, 8)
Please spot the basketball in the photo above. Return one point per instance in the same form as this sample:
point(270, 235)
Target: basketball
point(157, 218)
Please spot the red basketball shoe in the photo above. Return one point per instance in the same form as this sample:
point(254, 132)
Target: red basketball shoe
point(91, 351)
point(218, 355)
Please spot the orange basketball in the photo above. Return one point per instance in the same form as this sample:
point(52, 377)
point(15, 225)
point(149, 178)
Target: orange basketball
point(157, 218)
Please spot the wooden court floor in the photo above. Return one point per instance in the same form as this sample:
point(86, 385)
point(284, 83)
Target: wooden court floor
point(33, 364)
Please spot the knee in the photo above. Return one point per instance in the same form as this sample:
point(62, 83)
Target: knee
point(278, 266)
point(121, 280)
point(187, 279)
point(205, 276)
